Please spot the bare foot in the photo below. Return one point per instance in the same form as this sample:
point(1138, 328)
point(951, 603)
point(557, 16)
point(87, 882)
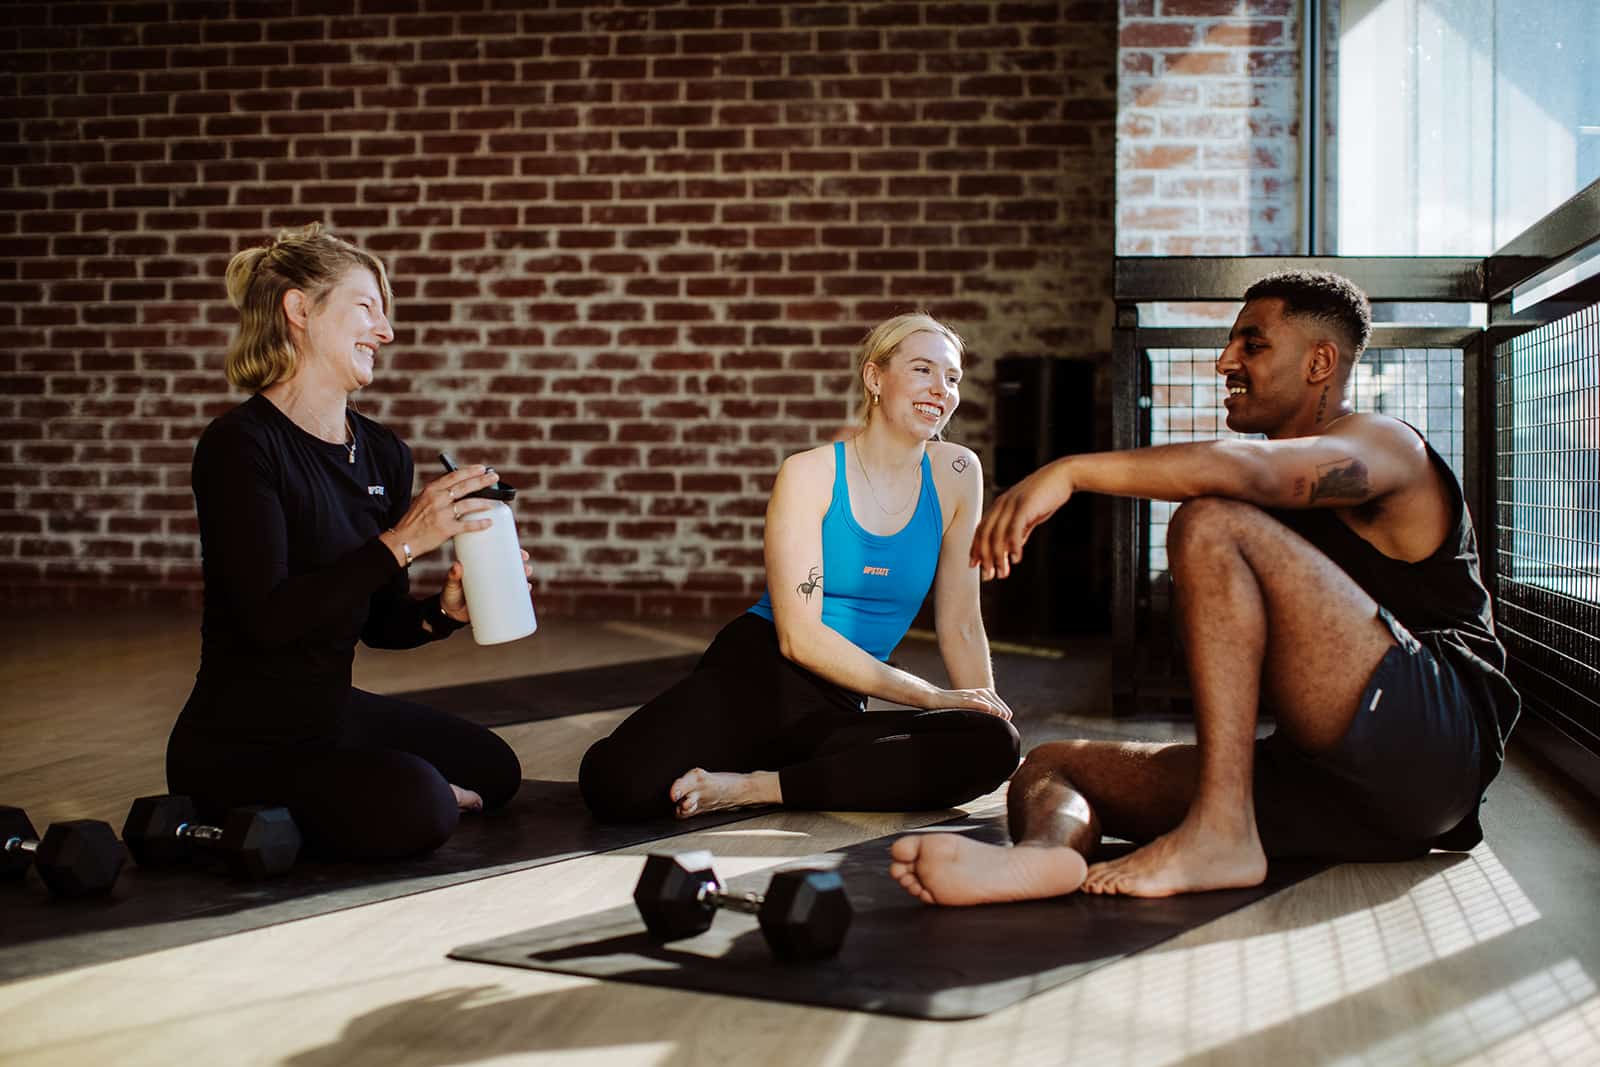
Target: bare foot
point(951, 869)
point(700, 791)
point(1191, 859)
point(466, 799)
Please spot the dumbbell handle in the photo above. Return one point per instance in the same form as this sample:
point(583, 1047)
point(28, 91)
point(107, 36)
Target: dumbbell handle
point(20, 844)
point(198, 832)
point(713, 894)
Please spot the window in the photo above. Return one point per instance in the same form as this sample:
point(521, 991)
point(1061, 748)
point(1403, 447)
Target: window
point(1425, 86)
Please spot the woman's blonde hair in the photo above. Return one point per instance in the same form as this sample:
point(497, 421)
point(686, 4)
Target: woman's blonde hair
point(307, 258)
point(879, 347)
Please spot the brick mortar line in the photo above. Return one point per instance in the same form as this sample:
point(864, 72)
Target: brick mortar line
point(745, 52)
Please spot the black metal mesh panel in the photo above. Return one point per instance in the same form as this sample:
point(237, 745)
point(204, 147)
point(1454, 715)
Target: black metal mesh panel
point(1420, 385)
point(1547, 517)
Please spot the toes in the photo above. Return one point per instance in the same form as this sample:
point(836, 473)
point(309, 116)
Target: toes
point(685, 785)
point(1097, 878)
point(909, 882)
point(906, 848)
point(1108, 881)
point(466, 799)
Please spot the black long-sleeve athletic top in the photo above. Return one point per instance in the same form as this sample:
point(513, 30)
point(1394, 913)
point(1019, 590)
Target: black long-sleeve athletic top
point(295, 573)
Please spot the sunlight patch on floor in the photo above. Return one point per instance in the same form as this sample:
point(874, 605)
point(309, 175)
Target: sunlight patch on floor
point(1169, 1004)
point(1552, 1016)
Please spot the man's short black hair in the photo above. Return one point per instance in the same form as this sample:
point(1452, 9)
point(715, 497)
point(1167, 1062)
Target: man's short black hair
point(1330, 298)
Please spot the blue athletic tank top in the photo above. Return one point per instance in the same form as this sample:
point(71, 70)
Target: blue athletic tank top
point(872, 584)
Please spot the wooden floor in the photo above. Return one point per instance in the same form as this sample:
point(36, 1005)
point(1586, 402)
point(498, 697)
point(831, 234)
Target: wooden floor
point(1490, 958)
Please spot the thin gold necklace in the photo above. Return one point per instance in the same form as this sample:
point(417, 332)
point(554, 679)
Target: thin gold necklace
point(349, 441)
point(915, 489)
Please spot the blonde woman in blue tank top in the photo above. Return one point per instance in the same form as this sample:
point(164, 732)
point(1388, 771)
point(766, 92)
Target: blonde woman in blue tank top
point(857, 533)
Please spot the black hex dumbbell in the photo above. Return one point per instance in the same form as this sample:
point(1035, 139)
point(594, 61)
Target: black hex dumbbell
point(804, 914)
point(78, 858)
point(254, 842)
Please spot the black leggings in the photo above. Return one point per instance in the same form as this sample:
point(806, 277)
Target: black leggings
point(381, 790)
point(747, 708)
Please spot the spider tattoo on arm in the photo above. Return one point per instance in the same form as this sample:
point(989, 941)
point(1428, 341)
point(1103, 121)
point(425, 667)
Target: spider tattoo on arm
point(809, 586)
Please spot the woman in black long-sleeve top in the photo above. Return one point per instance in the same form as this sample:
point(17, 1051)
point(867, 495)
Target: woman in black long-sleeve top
point(307, 526)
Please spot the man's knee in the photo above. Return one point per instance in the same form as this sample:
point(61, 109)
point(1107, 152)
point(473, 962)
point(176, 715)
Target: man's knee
point(1052, 757)
point(1208, 520)
point(1091, 766)
point(1047, 763)
point(1045, 801)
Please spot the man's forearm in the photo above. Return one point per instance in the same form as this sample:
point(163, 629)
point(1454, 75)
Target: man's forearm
point(1175, 472)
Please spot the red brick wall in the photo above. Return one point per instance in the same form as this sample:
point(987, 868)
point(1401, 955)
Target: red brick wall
point(633, 245)
point(1208, 128)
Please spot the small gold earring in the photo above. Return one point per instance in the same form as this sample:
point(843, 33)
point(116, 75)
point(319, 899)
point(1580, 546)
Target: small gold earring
point(874, 399)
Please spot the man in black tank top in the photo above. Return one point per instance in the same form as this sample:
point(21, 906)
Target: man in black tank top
point(1327, 574)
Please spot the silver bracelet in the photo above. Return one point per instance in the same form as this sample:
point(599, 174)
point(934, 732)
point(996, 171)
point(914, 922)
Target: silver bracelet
point(404, 548)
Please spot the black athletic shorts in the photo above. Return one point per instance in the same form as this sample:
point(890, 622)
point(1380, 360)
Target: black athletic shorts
point(1405, 773)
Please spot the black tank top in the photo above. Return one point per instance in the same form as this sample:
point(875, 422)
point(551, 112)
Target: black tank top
point(1440, 599)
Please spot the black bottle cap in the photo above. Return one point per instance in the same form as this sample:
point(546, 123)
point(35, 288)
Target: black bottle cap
point(498, 491)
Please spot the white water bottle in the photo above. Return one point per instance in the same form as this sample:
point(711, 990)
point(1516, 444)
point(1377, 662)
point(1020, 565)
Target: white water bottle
point(493, 580)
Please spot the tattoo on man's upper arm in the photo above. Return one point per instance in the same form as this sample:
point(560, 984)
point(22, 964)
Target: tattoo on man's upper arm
point(1344, 479)
point(809, 586)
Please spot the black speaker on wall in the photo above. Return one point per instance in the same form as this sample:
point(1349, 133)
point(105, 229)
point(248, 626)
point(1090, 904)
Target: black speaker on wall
point(1044, 408)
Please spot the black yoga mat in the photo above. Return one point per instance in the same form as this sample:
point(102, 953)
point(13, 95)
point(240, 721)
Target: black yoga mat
point(1032, 685)
point(156, 909)
point(901, 957)
point(550, 696)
